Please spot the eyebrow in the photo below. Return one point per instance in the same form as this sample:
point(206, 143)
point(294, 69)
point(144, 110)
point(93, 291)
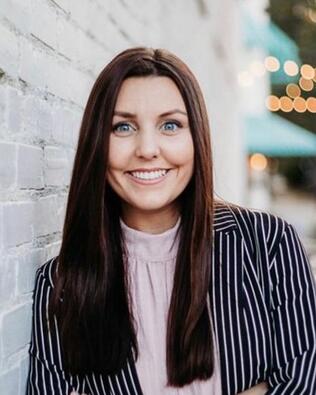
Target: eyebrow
point(126, 114)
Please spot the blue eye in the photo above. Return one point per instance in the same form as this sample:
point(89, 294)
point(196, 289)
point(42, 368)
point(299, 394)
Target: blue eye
point(121, 127)
point(174, 125)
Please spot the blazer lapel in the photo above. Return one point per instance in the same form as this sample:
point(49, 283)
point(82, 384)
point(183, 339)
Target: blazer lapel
point(226, 291)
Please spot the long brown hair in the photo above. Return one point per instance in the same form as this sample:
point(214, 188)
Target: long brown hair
point(94, 314)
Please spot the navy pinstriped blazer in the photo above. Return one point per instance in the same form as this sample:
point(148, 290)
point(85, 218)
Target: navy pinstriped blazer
point(263, 308)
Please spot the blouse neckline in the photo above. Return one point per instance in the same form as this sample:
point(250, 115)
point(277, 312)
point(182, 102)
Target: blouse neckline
point(151, 247)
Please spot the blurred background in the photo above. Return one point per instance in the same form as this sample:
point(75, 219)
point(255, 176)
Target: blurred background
point(277, 76)
point(255, 61)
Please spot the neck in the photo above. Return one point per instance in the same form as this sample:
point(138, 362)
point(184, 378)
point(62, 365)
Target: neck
point(152, 221)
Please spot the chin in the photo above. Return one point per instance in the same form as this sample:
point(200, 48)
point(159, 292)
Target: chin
point(149, 205)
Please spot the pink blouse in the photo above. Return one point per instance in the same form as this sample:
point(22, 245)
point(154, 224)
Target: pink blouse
point(151, 260)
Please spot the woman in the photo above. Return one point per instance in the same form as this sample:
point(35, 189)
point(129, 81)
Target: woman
point(154, 275)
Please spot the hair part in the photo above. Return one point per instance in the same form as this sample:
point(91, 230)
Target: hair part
point(96, 324)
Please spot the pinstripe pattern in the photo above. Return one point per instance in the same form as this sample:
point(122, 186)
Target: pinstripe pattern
point(263, 305)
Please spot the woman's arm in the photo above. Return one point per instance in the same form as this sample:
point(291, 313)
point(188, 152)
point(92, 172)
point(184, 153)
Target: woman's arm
point(293, 314)
point(46, 374)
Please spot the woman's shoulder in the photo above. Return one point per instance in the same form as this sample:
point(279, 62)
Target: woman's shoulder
point(242, 214)
point(251, 223)
point(46, 271)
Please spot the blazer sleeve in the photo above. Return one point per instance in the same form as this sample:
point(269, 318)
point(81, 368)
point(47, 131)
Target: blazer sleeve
point(46, 375)
point(293, 313)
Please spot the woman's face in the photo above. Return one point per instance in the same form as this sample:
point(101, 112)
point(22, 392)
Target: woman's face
point(151, 148)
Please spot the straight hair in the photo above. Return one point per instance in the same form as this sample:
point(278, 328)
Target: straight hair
point(91, 295)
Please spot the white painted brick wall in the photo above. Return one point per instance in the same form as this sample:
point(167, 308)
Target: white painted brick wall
point(14, 112)
point(8, 159)
point(1, 229)
point(8, 382)
point(14, 335)
point(18, 13)
point(56, 162)
point(8, 279)
point(44, 205)
point(26, 267)
point(9, 50)
point(3, 100)
point(29, 167)
point(18, 220)
point(50, 54)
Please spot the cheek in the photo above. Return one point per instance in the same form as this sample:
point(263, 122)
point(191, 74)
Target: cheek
point(118, 155)
point(183, 152)
point(186, 157)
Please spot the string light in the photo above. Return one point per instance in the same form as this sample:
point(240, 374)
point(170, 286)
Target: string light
point(293, 100)
point(293, 90)
point(307, 72)
point(271, 63)
point(290, 68)
point(299, 104)
point(286, 104)
point(306, 85)
point(258, 161)
point(311, 104)
point(273, 103)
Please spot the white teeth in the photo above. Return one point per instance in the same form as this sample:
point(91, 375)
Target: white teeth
point(149, 175)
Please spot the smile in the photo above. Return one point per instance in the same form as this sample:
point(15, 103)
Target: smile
point(149, 175)
point(145, 178)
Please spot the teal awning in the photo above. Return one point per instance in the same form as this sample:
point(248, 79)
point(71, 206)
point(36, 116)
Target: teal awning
point(283, 48)
point(275, 42)
point(273, 135)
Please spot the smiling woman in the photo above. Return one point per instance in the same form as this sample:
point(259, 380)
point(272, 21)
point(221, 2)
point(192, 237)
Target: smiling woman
point(159, 288)
point(151, 154)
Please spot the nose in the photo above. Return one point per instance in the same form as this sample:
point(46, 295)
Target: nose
point(147, 144)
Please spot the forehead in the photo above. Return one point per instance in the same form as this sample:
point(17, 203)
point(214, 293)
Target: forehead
point(160, 92)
